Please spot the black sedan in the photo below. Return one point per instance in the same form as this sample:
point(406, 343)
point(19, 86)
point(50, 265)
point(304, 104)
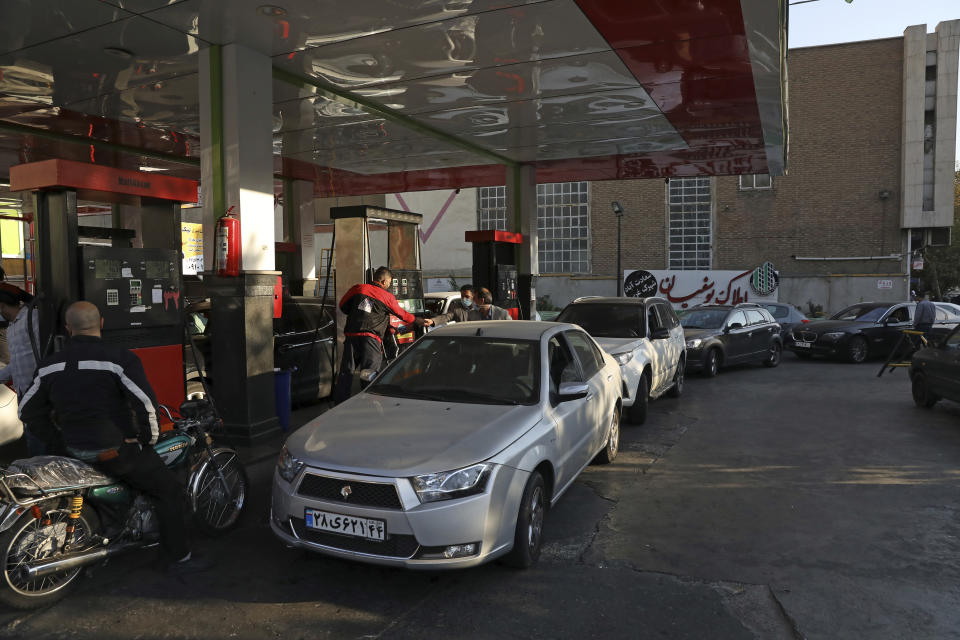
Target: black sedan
point(723, 335)
point(860, 331)
point(935, 371)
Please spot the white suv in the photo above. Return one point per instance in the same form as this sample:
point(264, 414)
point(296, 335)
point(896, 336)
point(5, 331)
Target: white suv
point(644, 335)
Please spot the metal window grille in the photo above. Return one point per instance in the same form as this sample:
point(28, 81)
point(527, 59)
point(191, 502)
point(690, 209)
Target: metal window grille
point(691, 230)
point(563, 223)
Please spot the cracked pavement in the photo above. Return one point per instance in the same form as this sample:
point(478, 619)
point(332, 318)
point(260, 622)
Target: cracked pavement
point(812, 500)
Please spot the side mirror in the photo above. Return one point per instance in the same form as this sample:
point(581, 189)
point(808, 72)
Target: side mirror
point(367, 375)
point(660, 334)
point(572, 391)
point(732, 326)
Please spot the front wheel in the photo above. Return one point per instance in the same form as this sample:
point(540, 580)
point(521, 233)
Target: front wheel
point(637, 414)
point(922, 395)
point(217, 501)
point(857, 349)
point(773, 355)
point(529, 532)
point(711, 363)
point(678, 379)
point(29, 540)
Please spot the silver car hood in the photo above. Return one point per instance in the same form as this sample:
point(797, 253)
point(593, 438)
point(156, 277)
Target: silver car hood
point(618, 345)
point(386, 436)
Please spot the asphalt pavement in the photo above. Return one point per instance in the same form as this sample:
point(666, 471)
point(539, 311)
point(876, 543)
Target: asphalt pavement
point(812, 500)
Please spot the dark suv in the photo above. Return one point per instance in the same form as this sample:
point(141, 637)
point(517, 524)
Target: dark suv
point(722, 335)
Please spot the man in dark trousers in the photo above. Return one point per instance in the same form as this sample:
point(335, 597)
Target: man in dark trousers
point(100, 399)
point(925, 314)
point(368, 308)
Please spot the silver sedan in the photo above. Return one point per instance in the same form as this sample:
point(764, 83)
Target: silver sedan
point(452, 456)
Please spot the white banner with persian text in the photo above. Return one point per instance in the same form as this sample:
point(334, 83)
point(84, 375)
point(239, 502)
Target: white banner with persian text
point(685, 289)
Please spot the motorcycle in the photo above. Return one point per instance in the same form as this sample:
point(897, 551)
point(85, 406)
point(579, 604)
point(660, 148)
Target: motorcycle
point(59, 515)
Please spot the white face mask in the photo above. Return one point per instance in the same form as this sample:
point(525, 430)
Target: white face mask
point(466, 302)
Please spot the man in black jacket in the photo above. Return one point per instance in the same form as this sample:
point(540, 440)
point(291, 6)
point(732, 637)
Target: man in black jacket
point(99, 396)
point(368, 308)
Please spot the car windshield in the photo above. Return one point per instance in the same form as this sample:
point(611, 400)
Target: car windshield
point(703, 318)
point(468, 369)
point(861, 313)
point(606, 320)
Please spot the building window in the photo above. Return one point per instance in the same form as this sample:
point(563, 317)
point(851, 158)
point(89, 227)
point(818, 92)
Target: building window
point(691, 230)
point(563, 223)
point(492, 208)
point(756, 181)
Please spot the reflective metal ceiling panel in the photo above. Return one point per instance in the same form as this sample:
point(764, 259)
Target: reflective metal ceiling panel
point(535, 32)
point(507, 83)
point(26, 23)
point(305, 24)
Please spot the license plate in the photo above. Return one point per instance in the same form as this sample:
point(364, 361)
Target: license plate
point(368, 528)
point(803, 345)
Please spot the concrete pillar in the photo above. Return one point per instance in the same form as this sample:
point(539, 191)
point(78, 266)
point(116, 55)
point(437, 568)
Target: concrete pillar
point(237, 170)
point(522, 215)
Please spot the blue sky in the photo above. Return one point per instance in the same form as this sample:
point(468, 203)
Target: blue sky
point(829, 21)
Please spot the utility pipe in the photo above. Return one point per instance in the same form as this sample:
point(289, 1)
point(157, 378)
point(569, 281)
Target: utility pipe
point(893, 256)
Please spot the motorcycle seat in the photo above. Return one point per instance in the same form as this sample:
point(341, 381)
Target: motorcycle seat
point(27, 477)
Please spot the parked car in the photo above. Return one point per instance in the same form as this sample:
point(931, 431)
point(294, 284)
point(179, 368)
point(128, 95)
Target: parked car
point(786, 315)
point(644, 336)
point(438, 303)
point(935, 371)
point(453, 454)
point(722, 335)
point(861, 331)
point(304, 338)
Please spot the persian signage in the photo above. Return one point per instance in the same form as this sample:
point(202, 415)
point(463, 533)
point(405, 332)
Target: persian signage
point(685, 289)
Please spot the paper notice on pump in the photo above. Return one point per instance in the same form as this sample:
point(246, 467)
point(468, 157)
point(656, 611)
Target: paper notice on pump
point(156, 295)
point(138, 309)
point(126, 272)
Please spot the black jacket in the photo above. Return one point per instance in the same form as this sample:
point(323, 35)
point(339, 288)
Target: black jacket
point(368, 308)
point(96, 393)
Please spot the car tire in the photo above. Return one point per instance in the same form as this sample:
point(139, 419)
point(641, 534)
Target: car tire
point(610, 450)
point(678, 379)
point(711, 363)
point(528, 536)
point(857, 349)
point(637, 414)
point(922, 395)
point(773, 355)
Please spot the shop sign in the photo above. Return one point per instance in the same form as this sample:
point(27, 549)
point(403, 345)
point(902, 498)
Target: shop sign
point(686, 289)
point(191, 237)
point(884, 284)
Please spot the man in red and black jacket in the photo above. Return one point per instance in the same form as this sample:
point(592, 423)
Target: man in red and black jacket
point(368, 308)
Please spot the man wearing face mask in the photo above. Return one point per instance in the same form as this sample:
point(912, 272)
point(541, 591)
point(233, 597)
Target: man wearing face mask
point(466, 301)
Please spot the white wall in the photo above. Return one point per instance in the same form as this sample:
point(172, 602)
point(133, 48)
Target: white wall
point(446, 216)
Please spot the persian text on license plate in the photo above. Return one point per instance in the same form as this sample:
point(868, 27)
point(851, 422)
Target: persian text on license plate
point(346, 525)
point(802, 345)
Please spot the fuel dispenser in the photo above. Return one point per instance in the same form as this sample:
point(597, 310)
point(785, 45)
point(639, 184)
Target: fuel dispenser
point(360, 247)
point(494, 267)
point(133, 275)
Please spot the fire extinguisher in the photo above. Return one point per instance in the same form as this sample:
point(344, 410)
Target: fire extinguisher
point(228, 245)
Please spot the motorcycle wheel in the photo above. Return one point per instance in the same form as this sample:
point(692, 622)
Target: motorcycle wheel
point(29, 540)
point(216, 508)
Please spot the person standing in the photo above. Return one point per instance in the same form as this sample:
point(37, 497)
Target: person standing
point(925, 314)
point(23, 363)
point(488, 310)
point(368, 308)
point(105, 409)
point(466, 301)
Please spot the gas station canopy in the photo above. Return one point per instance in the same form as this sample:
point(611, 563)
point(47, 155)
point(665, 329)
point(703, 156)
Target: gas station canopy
point(373, 96)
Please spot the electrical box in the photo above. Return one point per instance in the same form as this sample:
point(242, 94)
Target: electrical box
point(132, 287)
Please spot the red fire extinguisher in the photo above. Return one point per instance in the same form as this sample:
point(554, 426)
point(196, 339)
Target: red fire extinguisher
point(228, 245)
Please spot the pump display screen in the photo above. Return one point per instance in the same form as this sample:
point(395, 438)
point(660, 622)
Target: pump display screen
point(157, 270)
point(104, 268)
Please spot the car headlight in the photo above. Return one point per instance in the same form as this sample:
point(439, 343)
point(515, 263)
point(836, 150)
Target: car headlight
point(447, 485)
point(693, 343)
point(623, 358)
point(287, 466)
point(833, 335)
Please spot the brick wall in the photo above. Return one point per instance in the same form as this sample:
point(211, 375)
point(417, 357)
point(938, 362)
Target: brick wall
point(644, 239)
point(845, 123)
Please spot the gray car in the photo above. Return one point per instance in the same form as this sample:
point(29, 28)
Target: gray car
point(451, 457)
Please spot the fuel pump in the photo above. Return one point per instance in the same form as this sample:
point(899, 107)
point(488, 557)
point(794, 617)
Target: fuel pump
point(134, 275)
point(494, 266)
